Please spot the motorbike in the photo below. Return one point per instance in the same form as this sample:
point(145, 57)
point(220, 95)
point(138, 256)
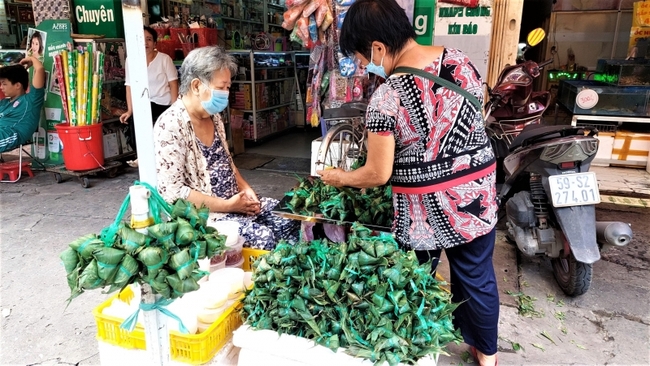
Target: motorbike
point(513, 104)
point(548, 192)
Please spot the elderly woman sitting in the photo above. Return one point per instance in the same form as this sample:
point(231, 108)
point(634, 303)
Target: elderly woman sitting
point(192, 157)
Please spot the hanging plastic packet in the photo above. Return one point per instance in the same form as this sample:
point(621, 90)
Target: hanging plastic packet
point(347, 67)
point(313, 28)
point(340, 18)
point(345, 2)
point(294, 36)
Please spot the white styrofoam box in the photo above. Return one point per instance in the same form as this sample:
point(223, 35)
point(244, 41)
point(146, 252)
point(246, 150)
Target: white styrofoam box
point(315, 145)
point(111, 355)
point(266, 347)
point(605, 146)
point(630, 146)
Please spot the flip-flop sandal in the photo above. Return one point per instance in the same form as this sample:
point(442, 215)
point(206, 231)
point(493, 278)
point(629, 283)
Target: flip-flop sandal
point(472, 351)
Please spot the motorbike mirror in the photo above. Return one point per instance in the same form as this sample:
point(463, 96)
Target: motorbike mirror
point(535, 37)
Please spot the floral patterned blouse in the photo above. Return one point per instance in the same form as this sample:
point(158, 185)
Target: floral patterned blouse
point(180, 164)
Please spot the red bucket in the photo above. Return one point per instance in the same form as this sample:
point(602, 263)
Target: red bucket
point(204, 36)
point(83, 146)
point(173, 34)
point(167, 47)
point(187, 48)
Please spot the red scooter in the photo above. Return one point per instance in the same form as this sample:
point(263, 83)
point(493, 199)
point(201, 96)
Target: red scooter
point(513, 104)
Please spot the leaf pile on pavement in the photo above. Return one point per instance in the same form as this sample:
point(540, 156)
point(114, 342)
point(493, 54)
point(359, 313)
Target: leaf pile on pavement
point(526, 305)
point(366, 296)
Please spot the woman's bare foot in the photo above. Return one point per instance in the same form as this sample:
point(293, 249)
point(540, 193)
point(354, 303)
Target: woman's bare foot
point(484, 360)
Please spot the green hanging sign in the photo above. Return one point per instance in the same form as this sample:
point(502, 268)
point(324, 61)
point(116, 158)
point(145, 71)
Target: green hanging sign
point(423, 21)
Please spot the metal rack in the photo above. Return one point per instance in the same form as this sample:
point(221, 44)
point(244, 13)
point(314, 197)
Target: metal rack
point(287, 100)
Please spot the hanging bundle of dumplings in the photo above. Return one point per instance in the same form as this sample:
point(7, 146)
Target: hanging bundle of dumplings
point(165, 257)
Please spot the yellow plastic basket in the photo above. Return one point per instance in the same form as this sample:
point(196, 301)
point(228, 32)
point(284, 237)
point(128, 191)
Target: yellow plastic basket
point(250, 256)
point(194, 349)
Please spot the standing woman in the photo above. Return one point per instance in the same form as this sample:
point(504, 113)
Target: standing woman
point(163, 83)
point(427, 137)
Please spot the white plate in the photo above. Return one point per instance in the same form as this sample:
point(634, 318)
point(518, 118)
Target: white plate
point(574, 189)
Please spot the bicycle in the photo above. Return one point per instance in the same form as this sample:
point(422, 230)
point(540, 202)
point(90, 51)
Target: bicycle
point(344, 145)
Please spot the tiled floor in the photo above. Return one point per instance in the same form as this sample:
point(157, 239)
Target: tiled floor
point(294, 144)
point(626, 182)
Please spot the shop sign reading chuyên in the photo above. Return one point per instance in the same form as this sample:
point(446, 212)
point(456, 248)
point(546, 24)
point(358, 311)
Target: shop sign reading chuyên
point(100, 17)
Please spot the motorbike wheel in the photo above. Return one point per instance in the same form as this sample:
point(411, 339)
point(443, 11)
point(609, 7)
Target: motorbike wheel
point(573, 277)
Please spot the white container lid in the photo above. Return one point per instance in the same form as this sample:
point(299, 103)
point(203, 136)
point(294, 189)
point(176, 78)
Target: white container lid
point(228, 228)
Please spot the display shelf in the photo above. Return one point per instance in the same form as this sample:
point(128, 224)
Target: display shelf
point(276, 6)
point(114, 81)
point(262, 96)
point(267, 108)
point(242, 20)
point(111, 120)
point(261, 81)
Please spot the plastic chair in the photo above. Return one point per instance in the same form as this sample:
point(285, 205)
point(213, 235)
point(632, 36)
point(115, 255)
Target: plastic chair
point(15, 171)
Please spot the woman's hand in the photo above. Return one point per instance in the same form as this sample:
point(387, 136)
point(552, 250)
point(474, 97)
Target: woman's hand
point(332, 177)
point(124, 118)
point(250, 194)
point(240, 203)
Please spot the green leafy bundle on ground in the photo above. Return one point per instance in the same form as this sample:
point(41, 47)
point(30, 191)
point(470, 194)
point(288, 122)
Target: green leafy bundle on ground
point(165, 258)
point(365, 295)
point(370, 206)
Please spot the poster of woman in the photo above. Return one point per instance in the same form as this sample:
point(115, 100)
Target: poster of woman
point(36, 43)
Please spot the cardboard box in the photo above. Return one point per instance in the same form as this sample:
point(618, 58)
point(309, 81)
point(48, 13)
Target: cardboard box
point(238, 141)
point(631, 147)
point(605, 147)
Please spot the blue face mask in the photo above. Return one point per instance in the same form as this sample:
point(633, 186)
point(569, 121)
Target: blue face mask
point(377, 70)
point(217, 103)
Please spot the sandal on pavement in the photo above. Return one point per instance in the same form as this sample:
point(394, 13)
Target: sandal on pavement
point(472, 351)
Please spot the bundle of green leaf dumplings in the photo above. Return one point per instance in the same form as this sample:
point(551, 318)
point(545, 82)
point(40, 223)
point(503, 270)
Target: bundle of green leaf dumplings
point(165, 256)
point(366, 296)
point(371, 206)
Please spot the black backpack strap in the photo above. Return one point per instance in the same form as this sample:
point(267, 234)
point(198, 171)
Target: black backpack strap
point(444, 82)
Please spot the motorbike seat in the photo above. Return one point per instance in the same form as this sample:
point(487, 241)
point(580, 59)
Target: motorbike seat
point(537, 133)
point(347, 110)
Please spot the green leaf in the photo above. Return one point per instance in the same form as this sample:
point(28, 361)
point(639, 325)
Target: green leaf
point(516, 346)
point(466, 357)
point(548, 336)
point(538, 346)
point(578, 345)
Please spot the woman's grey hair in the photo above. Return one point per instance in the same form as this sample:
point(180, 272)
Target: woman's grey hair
point(202, 63)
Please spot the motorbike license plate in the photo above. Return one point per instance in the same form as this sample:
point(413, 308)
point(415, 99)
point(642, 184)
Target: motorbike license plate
point(574, 189)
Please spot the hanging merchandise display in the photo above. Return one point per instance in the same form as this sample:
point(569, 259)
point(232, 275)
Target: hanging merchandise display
point(333, 78)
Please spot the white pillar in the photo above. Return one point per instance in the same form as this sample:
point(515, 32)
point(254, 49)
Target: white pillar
point(155, 323)
point(137, 62)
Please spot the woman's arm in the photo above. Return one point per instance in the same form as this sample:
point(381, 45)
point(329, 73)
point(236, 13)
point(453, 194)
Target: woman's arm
point(173, 90)
point(125, 116)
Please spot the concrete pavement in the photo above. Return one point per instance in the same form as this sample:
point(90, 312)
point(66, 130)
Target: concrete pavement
point(38, 218)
